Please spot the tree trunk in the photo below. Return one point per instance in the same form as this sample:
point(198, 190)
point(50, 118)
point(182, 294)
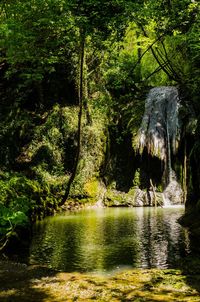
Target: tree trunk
point(185, 173)
point(139, 53)
point(79, 131)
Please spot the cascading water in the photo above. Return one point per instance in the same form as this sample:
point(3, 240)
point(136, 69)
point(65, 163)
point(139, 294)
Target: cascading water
point(159, 134)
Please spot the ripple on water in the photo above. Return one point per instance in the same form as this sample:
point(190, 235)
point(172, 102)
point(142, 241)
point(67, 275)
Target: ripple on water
point(106, 240)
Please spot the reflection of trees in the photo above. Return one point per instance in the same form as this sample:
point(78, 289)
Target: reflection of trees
point(109, 238)
point(161, 237)
point(121, 240)
point(100, 241)
point(66, 252)
point(92, 244)
point(57, 243)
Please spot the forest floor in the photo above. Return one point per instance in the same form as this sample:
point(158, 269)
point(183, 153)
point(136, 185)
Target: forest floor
point(20, 283)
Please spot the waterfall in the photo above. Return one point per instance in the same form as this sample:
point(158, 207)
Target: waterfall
point(159, 134)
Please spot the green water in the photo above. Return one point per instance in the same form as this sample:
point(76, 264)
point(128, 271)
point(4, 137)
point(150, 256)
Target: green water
point(106, 240)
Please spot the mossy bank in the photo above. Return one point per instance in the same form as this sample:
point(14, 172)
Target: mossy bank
point(21, 283)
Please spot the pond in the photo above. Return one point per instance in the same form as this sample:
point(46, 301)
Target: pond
point(110, 239)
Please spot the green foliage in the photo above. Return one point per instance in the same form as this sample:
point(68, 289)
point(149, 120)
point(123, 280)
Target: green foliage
point(136, 180)
point(91, 187)
point(29, 24)
point(22, 198)
point(93, 150)
point(16, 126)
point(39, 39)
point(9, 220)
point(114, 198)
point(47, 147)
point(14, 206)
point(13, 190)
point(45, 158)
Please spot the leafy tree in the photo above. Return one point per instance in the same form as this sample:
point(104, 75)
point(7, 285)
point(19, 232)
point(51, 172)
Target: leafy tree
point(135, 44)
point(97, 20)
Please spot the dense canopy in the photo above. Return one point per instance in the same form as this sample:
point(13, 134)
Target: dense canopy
point(74, 79)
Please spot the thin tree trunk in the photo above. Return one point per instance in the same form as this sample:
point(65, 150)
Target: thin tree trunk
point(79, 131)
point(185, 174)
point(139, 52)
point(85, 94)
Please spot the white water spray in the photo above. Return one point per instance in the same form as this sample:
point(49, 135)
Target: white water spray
point(160, 134)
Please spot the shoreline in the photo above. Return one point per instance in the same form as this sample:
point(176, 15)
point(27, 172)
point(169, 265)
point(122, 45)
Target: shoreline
point(20, 283)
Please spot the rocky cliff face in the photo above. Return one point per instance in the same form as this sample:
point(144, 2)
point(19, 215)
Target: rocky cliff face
point(159, 137)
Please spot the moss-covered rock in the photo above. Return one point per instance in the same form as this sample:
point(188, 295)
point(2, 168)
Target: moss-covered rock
point(114, 198)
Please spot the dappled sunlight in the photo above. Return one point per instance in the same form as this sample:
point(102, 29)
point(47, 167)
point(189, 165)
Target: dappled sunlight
point(17, 282)
point(39, 284)
point(99, 151)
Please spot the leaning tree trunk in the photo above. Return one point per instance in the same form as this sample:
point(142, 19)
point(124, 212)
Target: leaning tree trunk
point(79, 131)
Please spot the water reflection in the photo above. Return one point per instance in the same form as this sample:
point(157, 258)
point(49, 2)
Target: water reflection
point(163, 242)
point(108, 239)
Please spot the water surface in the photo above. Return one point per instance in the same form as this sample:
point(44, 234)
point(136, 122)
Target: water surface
point(105, 240)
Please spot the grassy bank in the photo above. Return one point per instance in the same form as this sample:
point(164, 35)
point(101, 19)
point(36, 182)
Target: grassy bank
point(22, 283)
